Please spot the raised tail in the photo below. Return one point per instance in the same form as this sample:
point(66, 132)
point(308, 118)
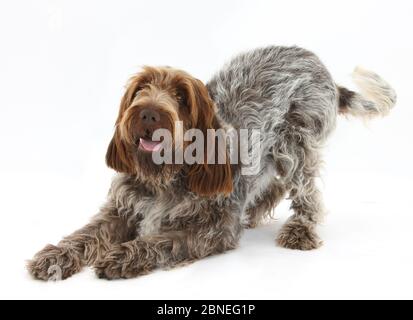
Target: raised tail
point(376, 97)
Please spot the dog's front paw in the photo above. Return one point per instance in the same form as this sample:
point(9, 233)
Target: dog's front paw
point(120, 263)
point(110, 266)
point(54, 263)
point(298, 235)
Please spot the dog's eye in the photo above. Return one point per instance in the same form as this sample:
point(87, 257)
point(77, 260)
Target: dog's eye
point(180, 97)
point(139, 89)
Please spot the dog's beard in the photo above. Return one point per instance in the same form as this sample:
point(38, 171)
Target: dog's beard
point(151, 172)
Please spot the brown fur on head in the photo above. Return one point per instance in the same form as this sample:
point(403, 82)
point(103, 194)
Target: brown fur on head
point(155, 98)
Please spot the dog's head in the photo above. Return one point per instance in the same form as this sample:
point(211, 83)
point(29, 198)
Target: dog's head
point(157, 98)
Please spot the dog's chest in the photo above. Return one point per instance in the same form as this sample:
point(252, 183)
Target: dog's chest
point(152, 213)
point(158, 212)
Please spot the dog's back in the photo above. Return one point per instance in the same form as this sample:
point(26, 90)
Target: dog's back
point(258, 88)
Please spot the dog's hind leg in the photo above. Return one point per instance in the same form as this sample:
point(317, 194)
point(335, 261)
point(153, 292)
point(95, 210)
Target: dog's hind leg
point(299, 231)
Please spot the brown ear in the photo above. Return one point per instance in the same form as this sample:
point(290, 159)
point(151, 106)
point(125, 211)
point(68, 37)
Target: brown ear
point(210, 179)
point(207, 179)
point(117, 156)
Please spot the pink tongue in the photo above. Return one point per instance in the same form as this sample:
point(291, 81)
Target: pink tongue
point(150, 145)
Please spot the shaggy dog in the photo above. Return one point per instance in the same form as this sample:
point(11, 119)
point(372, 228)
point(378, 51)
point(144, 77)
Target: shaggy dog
point(164, 215)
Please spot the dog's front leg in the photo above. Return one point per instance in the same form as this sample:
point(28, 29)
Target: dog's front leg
point(167, 250)
point(82, 247)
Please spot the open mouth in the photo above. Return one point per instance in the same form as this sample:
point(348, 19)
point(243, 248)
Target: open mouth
point(149, 145)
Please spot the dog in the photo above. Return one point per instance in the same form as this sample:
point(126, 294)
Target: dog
point(165, 215)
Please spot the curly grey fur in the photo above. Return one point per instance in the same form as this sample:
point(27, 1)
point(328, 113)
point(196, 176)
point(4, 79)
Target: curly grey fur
point(286, 93)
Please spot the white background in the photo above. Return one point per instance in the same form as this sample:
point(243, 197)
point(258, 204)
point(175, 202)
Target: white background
point(63, 65)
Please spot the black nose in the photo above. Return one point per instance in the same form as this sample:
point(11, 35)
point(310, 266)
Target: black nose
point(149, 116)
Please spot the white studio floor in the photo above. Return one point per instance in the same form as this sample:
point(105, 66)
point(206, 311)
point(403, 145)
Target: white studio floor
point(367, 254)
